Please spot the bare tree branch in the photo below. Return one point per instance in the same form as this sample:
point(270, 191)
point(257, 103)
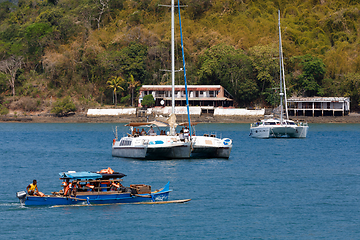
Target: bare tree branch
point(10, 66)
point(104, 4)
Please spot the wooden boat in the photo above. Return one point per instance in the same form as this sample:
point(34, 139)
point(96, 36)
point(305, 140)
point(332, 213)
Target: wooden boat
point(96, 188)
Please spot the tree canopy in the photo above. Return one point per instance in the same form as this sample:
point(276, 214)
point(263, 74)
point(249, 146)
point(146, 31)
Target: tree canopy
point(72, 48)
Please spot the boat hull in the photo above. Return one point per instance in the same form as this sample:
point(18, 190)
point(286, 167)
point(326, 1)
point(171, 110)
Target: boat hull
point(279, 131)
point(211, 152)
point(211, 147)
point(129, 152)
point(97, 198)
point(177, 151)
point(152, 147)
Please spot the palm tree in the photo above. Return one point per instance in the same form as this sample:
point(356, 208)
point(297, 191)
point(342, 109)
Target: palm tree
point(132, 85)
point(115, 84)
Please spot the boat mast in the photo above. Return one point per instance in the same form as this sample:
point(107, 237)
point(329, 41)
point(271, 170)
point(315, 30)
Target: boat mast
point(183, 56)
point(172, 128)
point(281, 84)
point(172, 59)
point(283, 77)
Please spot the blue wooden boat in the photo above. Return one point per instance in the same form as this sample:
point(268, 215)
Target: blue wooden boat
point(96, 188)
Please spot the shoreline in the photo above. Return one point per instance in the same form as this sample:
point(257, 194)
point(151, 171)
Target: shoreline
point(83, 118)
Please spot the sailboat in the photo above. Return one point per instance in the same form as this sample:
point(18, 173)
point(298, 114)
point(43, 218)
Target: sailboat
point(206, 146)
point(283, 127)
point(151, 144)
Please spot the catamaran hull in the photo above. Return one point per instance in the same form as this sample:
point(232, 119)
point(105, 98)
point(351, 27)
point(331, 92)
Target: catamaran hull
point(129, 152)
point(279, 131)
point(210, 152)
point(180, 151)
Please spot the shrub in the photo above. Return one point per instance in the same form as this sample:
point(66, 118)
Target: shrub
point(3, 110)
point(63, 107)
point(148, 101)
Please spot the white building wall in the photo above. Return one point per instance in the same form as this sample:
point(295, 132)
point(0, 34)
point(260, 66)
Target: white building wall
point(111, 112)
point(238, 112)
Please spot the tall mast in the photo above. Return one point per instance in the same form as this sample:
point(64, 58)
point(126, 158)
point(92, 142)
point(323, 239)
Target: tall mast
point(281, 79)
point(184, 66)
point(172, 59)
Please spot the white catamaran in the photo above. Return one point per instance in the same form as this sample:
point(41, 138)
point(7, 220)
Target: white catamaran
point(204, 146)
point(273, 127)
point(153, 145)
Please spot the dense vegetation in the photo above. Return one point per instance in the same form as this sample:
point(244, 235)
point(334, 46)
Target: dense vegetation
point(52, 49)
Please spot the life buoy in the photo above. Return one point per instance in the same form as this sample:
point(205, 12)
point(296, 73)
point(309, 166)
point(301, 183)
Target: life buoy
point(227, 141)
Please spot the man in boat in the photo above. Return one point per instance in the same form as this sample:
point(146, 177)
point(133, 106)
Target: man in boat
point(72, 188)
point(151, 131)
point(143, 133)
point(32, 189)
point(186, 134)
point(181, 135)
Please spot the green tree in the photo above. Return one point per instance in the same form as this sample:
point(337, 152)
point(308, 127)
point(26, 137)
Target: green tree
point(265, 64)
point(63, 107)
point(148, 101)
point(222, 64)
point(313, 70)
point(115, 83)
point(132, 85)
point(350, 87)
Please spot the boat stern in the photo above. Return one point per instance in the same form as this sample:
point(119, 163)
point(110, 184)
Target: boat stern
point(21, 195)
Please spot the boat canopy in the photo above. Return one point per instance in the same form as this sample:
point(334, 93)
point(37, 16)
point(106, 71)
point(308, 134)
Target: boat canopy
point(90, 175)
point(148, 124)
point(80, 175)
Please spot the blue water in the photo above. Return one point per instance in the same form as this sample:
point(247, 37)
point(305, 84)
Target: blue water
point(268, 189)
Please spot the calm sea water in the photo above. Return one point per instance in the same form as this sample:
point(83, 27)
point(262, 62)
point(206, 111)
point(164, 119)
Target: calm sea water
point(268, 189)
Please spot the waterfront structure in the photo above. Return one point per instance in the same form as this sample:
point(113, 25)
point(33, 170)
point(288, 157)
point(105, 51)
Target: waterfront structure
point(318, 106)
point(199, 95)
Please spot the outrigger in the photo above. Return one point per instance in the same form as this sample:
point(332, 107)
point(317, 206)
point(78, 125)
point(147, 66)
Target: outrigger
point(103, 187)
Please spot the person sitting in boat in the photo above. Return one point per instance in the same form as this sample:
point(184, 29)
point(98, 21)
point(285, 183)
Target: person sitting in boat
point(151, 132)
point(138, 132)
point(142, 133)
point(32, 188)
point(116, 186)
point(90, 187)
point(72, 188)
point(134, 132)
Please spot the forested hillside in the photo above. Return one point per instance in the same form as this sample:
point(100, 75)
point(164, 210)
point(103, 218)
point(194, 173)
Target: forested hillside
point(51, 50)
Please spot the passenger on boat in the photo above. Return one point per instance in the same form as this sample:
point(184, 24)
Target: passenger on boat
point(142, 133)
point(134, 132)
point(138, 132)
point(186, 134)
point(151, 132)
point(181, 136)
point(90, 187)
point(72, 188)
point(66, 186)
point(32, 188)
point(116, 186)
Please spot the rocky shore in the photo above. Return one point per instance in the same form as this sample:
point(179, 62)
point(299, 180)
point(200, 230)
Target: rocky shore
point(83, 118)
